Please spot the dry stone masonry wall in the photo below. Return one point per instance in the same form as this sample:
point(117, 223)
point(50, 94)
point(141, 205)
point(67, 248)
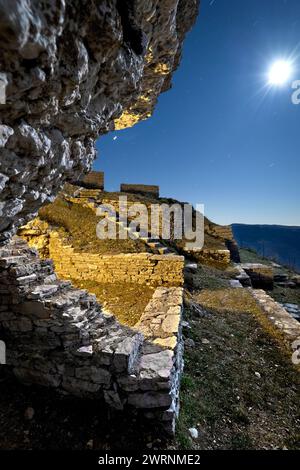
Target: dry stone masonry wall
point(261, 275)
point(71, 72)
point(141, 268)
point(93, 180)
point(221, 257)
point(93, 198)
point(152, 190)
point(57, 336)
point(278, 317)
point(225, 232)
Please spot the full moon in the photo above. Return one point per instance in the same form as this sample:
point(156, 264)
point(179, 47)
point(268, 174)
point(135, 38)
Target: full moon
point(280, 72)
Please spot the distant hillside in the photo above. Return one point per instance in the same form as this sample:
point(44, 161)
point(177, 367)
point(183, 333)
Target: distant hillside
point(272, 241)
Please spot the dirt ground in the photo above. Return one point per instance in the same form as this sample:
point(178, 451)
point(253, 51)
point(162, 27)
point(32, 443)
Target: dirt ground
point(61, 422)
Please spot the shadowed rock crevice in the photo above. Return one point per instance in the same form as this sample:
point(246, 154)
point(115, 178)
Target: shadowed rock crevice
point(133, 36)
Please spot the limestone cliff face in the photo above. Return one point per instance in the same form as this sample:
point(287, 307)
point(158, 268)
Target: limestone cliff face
point(71, 71)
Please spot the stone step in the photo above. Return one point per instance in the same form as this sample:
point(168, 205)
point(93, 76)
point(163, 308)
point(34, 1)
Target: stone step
point(7, 261)
point(29, 266)
point(43, 291)
point(154, 244)
point(191, 266)
point(163, 250)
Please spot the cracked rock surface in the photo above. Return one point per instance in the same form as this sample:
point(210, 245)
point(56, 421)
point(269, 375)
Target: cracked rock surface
point(69, 72)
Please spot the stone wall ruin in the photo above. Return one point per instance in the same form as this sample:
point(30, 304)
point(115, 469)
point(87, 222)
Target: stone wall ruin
point(58, 336)
point(142, 268)
point(148, 189)
point(93, 180)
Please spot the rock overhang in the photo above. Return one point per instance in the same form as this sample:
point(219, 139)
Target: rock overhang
point(72, 72)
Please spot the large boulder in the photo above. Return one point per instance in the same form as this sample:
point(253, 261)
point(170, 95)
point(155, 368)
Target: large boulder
point(70, 72)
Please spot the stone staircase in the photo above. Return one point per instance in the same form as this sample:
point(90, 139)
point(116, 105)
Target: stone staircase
point(88, 197)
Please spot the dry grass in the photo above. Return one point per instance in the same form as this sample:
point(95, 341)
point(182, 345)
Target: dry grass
point(227, 300)
point(210, 277)
point(126, 301)
point(79, 226)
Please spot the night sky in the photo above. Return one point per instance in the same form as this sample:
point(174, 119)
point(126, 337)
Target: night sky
point(222, 135)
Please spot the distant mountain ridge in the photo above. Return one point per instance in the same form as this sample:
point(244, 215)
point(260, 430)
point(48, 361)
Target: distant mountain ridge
point(282, 243)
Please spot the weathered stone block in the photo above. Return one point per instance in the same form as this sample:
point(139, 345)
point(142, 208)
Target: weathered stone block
point(150, 400)
point(126, 353)
point(34, 309)
point(113, 399)
point(79, 387)
point(261, 275)
point(94, 374)
point(31, 376)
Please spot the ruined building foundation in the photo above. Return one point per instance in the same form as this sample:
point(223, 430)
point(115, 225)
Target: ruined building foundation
point(57, 336)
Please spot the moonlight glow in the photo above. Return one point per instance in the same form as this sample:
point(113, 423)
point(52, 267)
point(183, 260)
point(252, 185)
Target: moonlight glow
point(280, 72)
